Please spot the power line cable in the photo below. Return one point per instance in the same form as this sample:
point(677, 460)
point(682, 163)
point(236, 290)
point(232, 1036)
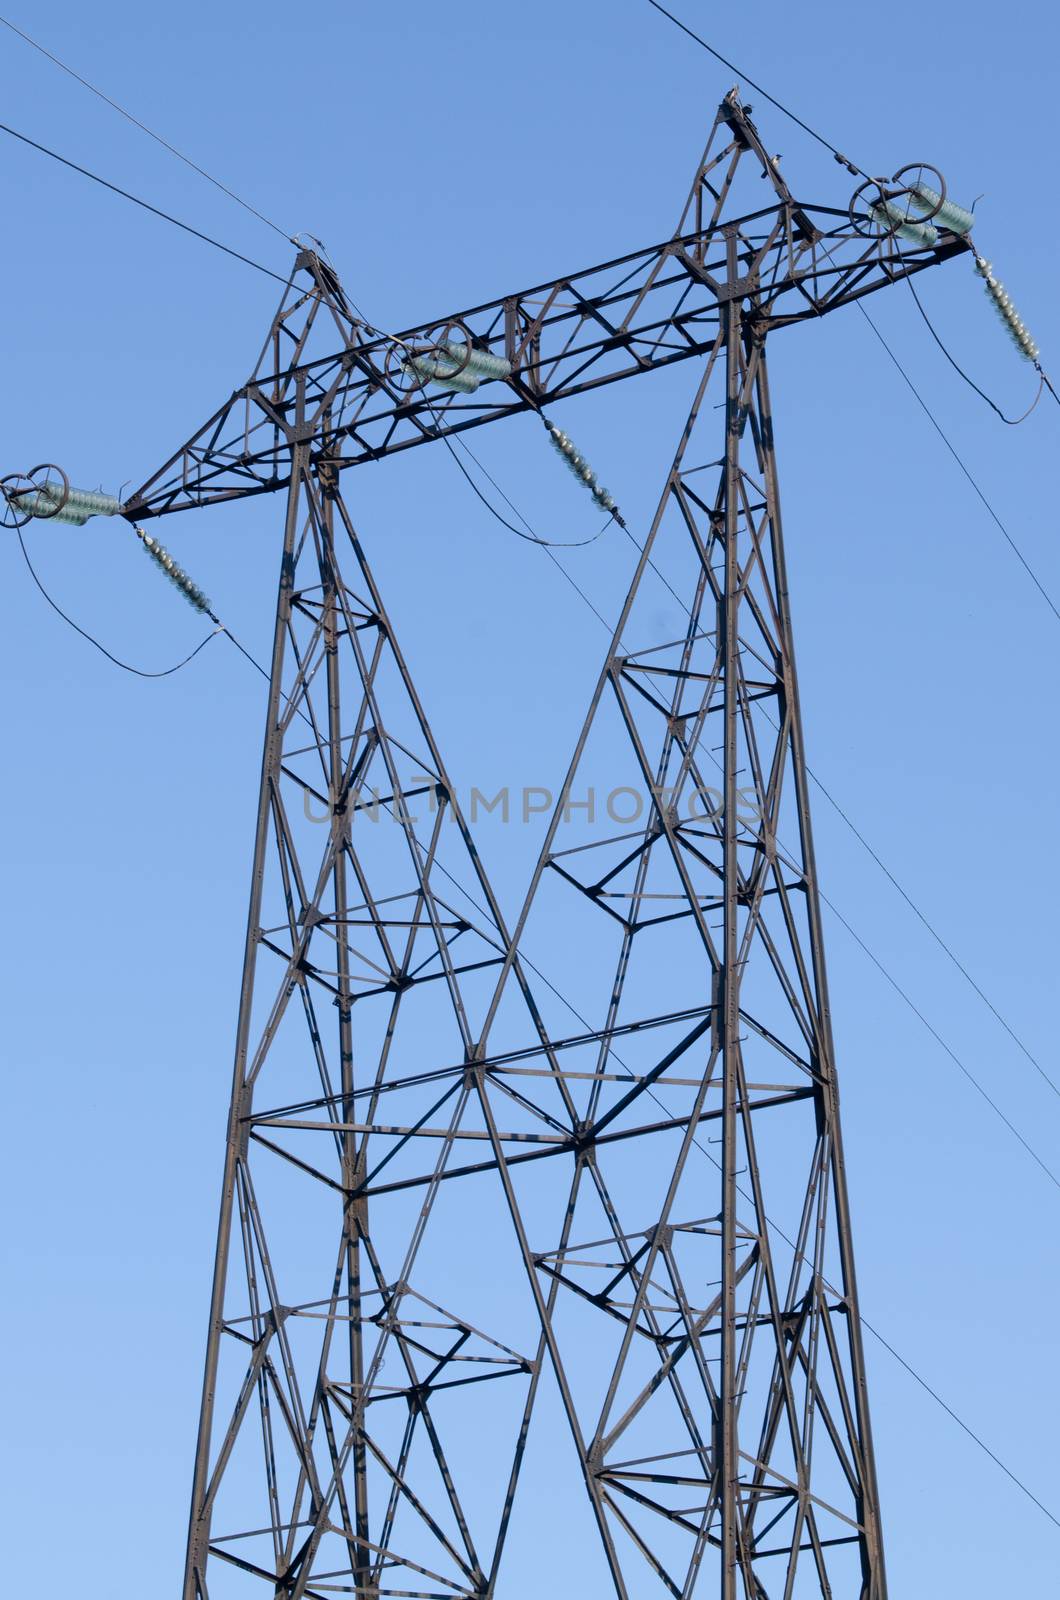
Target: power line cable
point(935, 934)
point(939, 1401)
point(548, 545)
point(1048, 385)
point(951, 447)
point(124, 665)
point(530, 536)
point(219, 627)
point(1011, 422)
point(851, 166)
point(145, 205)
point(157, 137)
point(954, 1057)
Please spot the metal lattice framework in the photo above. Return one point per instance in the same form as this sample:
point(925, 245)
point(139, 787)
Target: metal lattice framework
point(659, 1209)
point(644, 311)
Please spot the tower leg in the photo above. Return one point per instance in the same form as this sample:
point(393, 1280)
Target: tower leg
point(341, 1435)
point(236, 1142)
point(703, 1249)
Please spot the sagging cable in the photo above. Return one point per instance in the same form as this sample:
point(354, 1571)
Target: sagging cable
point(1011, 422)
point(195, 597)
point(138, 672)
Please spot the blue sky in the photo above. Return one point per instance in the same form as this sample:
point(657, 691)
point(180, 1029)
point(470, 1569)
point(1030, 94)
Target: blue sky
point(446, 156)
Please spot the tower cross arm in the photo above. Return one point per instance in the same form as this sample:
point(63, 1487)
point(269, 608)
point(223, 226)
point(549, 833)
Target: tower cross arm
point(377, 394)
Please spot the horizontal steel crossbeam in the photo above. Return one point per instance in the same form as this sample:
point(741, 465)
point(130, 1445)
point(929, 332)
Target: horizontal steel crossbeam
point(635, 314)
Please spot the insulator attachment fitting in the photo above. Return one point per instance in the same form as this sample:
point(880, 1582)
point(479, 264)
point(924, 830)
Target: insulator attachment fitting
point(80, 504)
point(54, 500)
point(581, 469)
point(442, 372)
point(947, 213)
point(174, 572)
point(894, 220)
point(483, 363)
point(458, 366)
point(1010, 317)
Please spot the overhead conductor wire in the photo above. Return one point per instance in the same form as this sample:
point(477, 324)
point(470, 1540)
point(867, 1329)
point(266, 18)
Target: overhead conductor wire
point(124, 665)
point(145, 205)
point(157, 137)
point(965, 469)
point(851, 166)
point(1011, 422)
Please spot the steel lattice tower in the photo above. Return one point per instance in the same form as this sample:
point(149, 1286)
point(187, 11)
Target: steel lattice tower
point(676, 1244)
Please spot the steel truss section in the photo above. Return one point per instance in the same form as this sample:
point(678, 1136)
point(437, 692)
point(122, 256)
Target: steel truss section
point(670, 1171)
point(636, 314)
point(710, 1258)
point(361, 954)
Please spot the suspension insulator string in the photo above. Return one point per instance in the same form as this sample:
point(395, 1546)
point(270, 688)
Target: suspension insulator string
point(196, 598)
point(475, 365)
point(581, 469)
point(176, 574)
point(1002, 301)
point(461, 367)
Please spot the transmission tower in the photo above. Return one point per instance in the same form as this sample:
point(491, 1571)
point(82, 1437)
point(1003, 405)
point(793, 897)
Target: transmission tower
point(441, 1192)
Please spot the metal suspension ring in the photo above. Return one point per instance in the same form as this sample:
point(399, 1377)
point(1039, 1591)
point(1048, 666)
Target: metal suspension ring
point(875, 193)
point(920, 171)
point(453, 332)
point(14, 488)
point(398, 370)
point(398, 364)
point(867, 196)
point(17, 487)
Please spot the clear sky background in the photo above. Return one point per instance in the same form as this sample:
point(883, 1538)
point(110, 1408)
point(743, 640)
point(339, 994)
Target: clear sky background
point(446, 155)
